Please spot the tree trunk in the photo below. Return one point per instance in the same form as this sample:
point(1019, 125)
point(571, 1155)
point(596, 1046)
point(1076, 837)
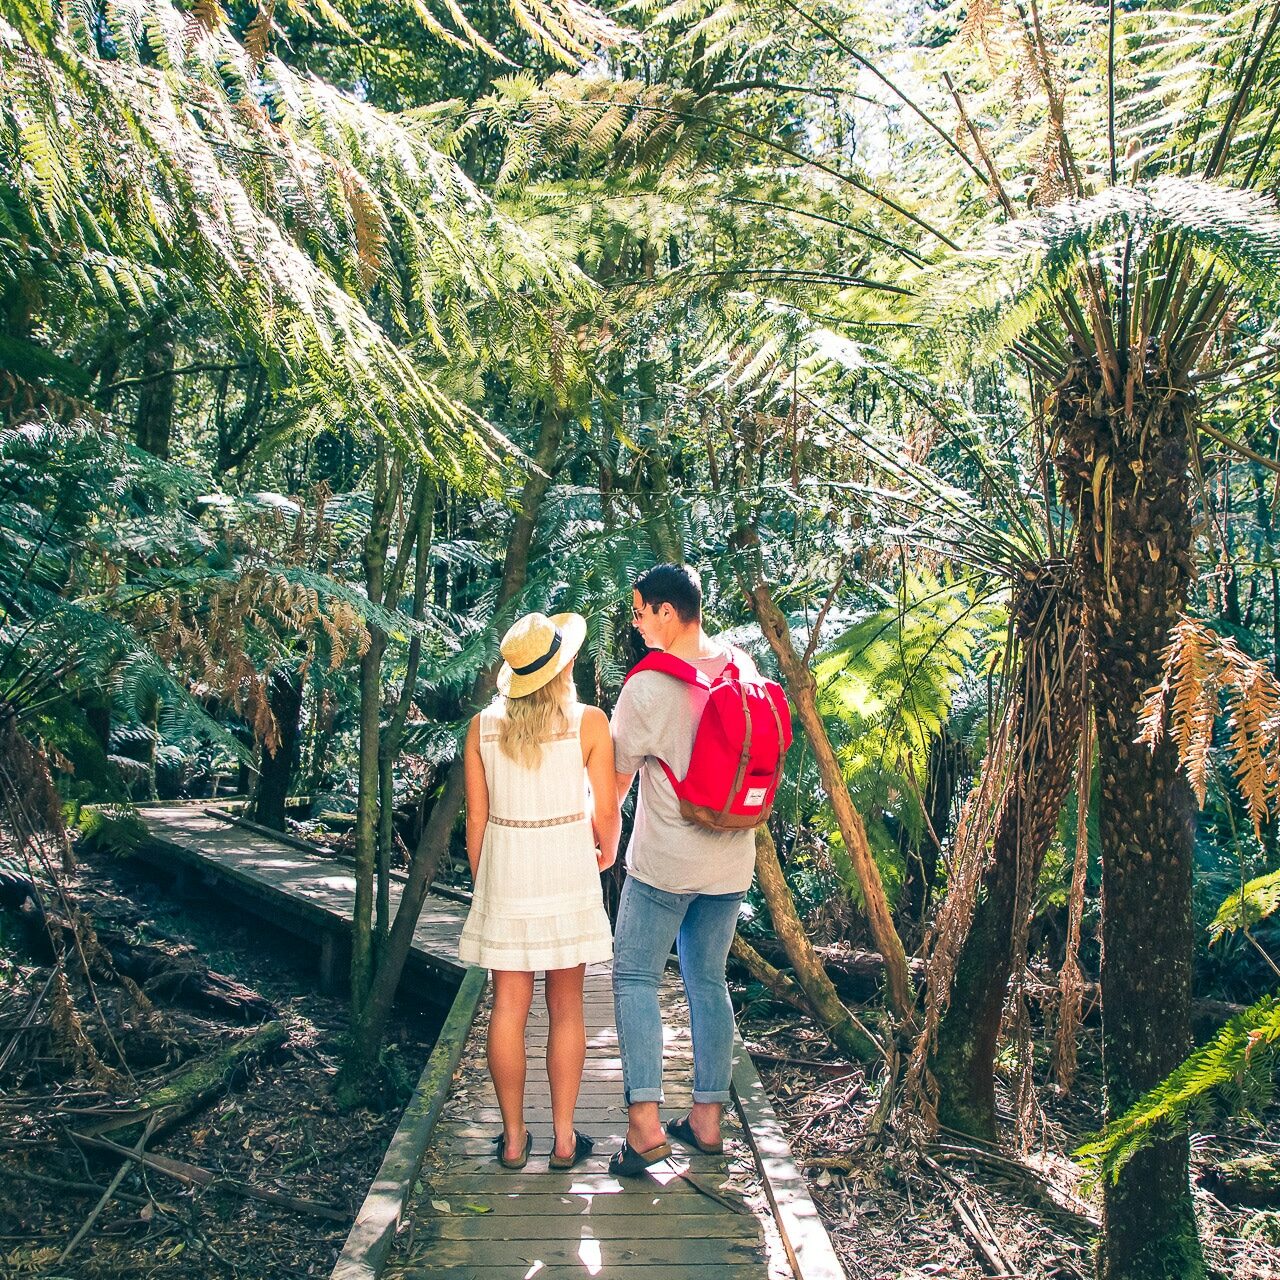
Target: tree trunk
point(153, 422)
point(277, 768)
point(1125, 473)
point(370, 1018)
point(1049, 690)
point(839, 1024)
point(386, 494)
point(804, 694)
point(417, 538)
point(946, 767)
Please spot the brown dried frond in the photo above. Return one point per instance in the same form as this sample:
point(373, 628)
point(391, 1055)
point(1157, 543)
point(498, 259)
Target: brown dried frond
point(1204, 674)
point(970, 853)
point(203, 17)
point(70, 1039)
point(257, 35)
point(367, 222)
point(981, 23)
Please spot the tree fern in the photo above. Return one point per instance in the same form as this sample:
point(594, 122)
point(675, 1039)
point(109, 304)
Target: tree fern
point(1232, 1074)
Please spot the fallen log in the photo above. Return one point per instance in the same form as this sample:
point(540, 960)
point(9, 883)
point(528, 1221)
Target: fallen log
point(196, 1086)
point(858, 976)
point(1249, 1179)
point(197, 1175)
point(172, 971)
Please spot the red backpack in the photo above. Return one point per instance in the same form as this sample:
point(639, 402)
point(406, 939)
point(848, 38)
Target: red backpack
point(738, 750)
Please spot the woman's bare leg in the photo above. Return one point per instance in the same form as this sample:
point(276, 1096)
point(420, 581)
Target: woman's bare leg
point(566, 1050)
point(512, 996)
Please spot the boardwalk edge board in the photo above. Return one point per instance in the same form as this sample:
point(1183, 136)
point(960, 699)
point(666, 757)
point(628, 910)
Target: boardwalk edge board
point(373, 1233)
point(809, 1248)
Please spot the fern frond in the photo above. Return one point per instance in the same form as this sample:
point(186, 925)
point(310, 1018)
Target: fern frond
point(1233, 1073)
point(1256, 901)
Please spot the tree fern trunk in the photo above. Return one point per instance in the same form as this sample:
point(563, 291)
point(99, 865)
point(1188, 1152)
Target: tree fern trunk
point(153, 421)
point(1048, 619)
point(285, 697)
point(1125, 473)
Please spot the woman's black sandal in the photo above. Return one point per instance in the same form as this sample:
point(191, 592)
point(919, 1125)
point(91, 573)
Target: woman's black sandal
point(630, 1163)
point(521, 1160)
point(582, 1148)
point(682, 1131)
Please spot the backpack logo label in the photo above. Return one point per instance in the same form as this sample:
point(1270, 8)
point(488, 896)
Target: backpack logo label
point(756, 795)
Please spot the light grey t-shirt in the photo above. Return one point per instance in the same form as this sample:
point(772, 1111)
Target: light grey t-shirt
point(656, 718)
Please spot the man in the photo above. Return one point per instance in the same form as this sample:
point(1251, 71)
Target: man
point(685, 882)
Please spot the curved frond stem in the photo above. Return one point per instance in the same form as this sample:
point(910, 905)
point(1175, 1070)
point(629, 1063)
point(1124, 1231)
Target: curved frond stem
point(1221, 148)
point(845, 47)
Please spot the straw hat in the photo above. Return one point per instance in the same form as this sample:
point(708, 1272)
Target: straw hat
point(537, 649)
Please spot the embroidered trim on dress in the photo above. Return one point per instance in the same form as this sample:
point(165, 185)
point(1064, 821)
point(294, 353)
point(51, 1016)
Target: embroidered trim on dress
point(538, 822)
point(555, 737)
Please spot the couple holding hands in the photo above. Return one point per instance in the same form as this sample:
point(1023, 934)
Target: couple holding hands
point(537, 834)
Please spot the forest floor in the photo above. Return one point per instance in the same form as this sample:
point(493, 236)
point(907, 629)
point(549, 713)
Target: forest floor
point(277, 1127)
point(894, 1213)
point(959, 1210)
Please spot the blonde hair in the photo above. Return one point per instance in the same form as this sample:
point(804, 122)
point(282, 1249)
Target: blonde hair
point(530, 721)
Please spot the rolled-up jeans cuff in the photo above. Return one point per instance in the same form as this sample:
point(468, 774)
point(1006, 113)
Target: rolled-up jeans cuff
point(712, 1095)
point(644, 1095)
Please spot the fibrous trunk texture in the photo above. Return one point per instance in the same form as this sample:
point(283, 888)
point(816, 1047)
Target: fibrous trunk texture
point(1049, 693)
point(1125, 471)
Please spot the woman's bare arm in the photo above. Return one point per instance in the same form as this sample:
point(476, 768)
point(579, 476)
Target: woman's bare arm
point(477, 792)
point(597, 754)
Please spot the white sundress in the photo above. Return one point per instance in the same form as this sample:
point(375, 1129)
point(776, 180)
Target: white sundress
point(537, 903)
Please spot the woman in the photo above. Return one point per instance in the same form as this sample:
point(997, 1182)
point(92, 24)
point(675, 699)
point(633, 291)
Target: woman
point(533, 828)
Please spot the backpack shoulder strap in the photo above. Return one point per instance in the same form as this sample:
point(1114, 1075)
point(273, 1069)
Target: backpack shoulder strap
point(669, 666)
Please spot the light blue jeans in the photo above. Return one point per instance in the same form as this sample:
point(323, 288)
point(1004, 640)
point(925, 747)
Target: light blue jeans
point(701, 925)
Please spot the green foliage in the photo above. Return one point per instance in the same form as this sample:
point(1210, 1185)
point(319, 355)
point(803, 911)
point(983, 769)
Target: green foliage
point(113, 829)
point(886, 687)
point(1000, 289)
point(1233, 1073)
point(1243, 909)
point(157, 162)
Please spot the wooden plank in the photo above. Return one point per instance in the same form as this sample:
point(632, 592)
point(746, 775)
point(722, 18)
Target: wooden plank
point(680, 1201)
point(597, 1226)
point(634, 1249)
point(808, 1245)
point(467, 1164)
point(373, 1232)
point(471, 1184)
point(522, 1270)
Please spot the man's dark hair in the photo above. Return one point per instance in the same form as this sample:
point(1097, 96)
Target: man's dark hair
point(673, 584)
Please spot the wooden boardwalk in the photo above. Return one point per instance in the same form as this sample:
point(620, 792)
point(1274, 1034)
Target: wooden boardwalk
point(745, 1215)
point(474, 1220)
point(300, 890)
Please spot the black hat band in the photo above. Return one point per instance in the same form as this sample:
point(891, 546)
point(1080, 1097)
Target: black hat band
point(542, 661)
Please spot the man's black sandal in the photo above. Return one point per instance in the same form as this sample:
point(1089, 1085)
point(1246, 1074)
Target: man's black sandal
point(630, 1163)
point(582, 1148)
point(682, 1131)
point(521, 1160)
